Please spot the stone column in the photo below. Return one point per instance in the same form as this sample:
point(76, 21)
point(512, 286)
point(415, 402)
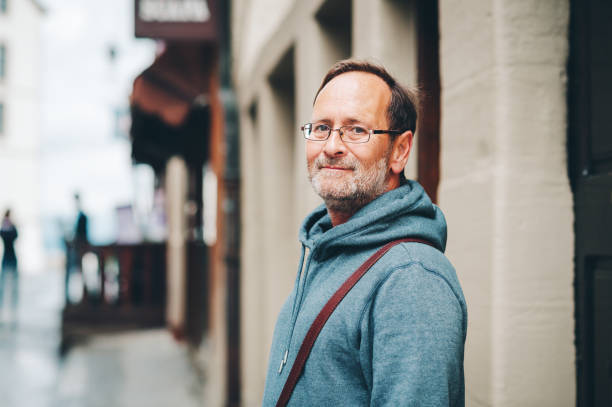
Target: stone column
point(176, 286)
point(506, 194)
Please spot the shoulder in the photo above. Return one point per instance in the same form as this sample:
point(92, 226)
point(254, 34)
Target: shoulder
point(418, 263)
point(416, 284)
point(419, 284)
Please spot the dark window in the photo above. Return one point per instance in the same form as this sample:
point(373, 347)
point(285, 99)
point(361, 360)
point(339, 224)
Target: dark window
point(1, 118)
point(590, 169)
point(2, 60)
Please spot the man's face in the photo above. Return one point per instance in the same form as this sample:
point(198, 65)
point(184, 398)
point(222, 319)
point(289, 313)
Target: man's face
point(348, 175)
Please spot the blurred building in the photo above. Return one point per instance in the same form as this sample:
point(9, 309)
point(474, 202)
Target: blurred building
point(167, 272)
point(513, 144)
point(179, 127)
point(20, 88)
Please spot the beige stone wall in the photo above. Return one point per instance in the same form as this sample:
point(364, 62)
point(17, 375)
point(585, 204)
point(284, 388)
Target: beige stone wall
point(507, 198)
point(254, 22)
point(503, 187)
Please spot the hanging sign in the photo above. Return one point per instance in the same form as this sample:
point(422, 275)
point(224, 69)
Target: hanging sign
point(177, 19)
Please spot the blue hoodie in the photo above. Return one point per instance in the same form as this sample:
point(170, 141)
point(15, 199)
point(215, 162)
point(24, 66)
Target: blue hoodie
point(397, 338)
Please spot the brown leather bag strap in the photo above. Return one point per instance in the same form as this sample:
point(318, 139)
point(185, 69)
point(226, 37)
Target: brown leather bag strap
point(328, 309)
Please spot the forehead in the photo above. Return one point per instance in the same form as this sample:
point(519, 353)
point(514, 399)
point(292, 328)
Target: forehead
point(353, 96)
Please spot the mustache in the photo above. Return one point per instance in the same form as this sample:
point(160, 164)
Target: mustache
point(344, 162)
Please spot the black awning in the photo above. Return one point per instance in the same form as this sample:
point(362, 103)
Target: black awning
point(154, 141)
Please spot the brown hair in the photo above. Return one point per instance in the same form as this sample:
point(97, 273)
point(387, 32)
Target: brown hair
point(402, 109)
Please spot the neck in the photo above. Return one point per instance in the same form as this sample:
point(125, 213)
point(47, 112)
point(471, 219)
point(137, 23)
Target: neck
point(341, 210)
point(339, 217)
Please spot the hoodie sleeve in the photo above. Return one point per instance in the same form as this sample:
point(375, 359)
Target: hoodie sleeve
point(415, 337)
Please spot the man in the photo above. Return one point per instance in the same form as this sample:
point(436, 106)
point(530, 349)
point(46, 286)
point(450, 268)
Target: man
point(80, 228)
point(8, 234)
point(397, 337)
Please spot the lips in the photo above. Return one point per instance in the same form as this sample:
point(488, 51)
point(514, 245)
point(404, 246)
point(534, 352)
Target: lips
point(327, 167)
point(337, 165)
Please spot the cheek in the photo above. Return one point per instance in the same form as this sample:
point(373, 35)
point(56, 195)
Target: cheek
point(312, 151)
point(366, 156)
point(376, 151)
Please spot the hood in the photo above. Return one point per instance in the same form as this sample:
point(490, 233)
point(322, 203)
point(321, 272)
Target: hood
point(403, 212)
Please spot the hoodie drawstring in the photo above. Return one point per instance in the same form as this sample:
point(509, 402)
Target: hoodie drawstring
point(300, 281)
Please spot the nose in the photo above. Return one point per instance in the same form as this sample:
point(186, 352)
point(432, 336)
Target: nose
point(334, 146)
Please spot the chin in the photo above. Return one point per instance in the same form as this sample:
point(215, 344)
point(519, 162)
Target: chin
point(333, 188)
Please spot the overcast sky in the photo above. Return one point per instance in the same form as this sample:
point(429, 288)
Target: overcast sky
point(82, 87)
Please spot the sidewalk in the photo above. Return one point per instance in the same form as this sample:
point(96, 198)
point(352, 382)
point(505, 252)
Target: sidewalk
point(132, 369)
point(141, 368)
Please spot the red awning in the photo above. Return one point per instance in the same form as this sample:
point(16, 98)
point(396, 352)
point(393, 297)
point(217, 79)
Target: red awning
point(179, 78)
point(169, 103)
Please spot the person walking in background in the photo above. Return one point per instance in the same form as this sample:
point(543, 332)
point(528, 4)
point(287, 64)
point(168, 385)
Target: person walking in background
point(76, 247)
point(80, 229)
point(8, 233)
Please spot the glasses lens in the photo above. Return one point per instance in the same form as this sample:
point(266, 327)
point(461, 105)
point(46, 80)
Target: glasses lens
point(319, 131)
point(355, 134)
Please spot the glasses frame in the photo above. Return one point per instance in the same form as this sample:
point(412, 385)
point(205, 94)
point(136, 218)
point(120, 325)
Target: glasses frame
point(303, 128)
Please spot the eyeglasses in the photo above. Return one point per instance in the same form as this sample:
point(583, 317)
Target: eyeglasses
point(348, 134)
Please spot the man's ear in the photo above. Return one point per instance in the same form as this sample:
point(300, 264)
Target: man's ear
point(400, 152)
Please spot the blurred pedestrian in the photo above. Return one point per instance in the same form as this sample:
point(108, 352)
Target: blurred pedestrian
point(8, 233)
point(80, 229)
point(77, 247)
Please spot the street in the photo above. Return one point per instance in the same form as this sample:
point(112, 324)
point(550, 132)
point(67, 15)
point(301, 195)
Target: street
point(138, 368)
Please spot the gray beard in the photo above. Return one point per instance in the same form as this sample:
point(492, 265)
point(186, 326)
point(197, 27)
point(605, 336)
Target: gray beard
point(348, 196)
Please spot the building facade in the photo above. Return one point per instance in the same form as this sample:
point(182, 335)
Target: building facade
point(20, 57)
point(502, 182)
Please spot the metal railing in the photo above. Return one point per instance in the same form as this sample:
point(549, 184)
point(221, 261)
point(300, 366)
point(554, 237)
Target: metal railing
point(113, 287)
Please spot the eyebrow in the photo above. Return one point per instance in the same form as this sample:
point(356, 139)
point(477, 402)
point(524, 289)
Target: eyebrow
point(350, 120)
point(345, 122)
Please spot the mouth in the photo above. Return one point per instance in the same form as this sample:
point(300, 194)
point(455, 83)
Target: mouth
point(335, 168)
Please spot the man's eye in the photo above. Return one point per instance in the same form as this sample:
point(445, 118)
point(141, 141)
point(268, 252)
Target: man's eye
point(321, 128)
point(359, 130)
